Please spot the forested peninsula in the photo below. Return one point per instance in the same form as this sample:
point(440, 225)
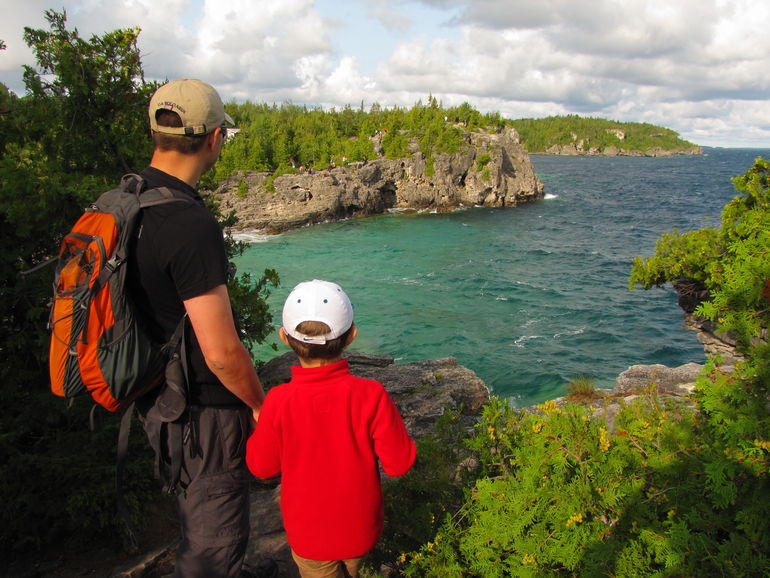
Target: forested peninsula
point(575, 135)
point(664, 489)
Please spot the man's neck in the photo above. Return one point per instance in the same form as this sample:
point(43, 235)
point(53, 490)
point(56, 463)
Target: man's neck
point(186, 168)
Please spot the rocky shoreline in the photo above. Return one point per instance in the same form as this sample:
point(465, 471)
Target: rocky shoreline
point(492, 170)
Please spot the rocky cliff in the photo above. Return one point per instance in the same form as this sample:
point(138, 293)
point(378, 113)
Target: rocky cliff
point(492, 170)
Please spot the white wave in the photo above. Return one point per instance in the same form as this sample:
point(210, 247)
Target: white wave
point(579, 331)
point(252, 237)
point(550, 196)
point(524, 338)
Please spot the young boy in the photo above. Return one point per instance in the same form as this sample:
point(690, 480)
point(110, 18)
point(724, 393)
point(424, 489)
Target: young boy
point(324, 431)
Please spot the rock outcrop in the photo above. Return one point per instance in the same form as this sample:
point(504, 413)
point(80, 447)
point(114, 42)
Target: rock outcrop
point(422, 390)
point(690, 294)
point(492, 170)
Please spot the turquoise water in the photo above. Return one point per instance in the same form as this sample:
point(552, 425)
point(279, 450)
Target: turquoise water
point(527, 297)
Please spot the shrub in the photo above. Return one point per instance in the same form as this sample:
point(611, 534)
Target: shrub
point(582, 387)
point(562, 494)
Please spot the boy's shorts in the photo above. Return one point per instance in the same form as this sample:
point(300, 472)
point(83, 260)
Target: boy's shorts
point(327, 568)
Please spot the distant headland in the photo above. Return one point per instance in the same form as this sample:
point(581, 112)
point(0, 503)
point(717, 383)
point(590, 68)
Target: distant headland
point(574, 135)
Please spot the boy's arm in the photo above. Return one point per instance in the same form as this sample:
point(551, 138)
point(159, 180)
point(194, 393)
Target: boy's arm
point(263, 457)
point(392, 444)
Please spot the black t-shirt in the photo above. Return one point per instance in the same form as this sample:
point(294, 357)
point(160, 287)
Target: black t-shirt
point(178, 254)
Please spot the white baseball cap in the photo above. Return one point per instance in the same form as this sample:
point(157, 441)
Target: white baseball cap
point(317, 301)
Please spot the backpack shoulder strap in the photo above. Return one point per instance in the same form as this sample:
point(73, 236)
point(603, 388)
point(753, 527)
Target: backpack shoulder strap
point(134, 183)
point(160, 196)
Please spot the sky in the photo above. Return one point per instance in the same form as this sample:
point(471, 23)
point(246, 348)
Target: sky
point(699, 67)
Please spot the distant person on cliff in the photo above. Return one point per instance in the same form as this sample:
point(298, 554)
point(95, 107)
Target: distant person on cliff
point(179, 267)
point(325, 431)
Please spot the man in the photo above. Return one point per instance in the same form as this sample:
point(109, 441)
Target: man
point(179, 266)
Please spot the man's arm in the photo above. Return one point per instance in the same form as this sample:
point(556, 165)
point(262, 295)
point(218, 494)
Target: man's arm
point(212, 320)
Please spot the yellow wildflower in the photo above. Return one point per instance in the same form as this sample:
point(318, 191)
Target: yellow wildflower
point(528, 559)
point(604, 442)
point(575, 519)
point(548, 407)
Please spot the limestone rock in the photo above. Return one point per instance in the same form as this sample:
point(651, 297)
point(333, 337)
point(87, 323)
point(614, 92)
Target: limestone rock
point(422, 390)
point(492, 170)
point(678, 380)
point(582, 147)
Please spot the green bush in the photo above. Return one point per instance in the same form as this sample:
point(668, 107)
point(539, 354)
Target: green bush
point(582, 387)
point(564, 495)
point(483, 160)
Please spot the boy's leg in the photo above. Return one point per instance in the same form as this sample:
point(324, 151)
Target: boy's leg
point(352, 566)
point(327, 568)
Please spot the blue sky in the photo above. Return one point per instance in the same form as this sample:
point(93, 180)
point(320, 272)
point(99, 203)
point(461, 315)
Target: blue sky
point(697, 66)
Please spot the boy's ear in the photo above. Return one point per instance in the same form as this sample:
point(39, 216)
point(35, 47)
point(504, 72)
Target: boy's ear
point(283, 336)
point(352, 335)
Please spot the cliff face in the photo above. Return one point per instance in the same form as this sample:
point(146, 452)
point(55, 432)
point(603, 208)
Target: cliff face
point(493, 170)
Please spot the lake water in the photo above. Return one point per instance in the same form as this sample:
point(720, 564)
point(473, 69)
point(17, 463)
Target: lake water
point(527, 297)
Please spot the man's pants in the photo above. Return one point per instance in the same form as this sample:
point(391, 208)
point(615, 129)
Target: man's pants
point(213, 491)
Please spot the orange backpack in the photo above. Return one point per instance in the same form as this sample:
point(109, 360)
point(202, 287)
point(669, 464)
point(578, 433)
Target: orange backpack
point(97, 344)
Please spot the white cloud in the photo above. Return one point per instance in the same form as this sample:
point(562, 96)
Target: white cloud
point(698, 66)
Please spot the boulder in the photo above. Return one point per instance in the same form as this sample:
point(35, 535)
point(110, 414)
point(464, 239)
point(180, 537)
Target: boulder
point(422, 390)
point(677, 380)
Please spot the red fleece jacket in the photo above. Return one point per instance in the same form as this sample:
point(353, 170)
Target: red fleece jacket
point(324, 431)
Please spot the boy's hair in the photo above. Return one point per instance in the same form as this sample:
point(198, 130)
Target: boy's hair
point(329, 350)
point(183, 144)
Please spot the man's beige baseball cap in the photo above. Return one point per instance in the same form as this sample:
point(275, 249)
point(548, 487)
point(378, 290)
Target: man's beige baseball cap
point(196, 102)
